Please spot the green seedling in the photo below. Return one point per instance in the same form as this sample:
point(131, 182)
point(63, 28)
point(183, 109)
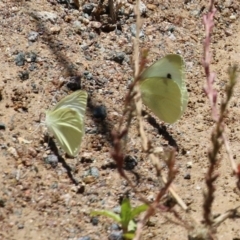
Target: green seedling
point(125, 218)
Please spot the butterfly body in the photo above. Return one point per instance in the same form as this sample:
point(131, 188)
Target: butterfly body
point(66, 121)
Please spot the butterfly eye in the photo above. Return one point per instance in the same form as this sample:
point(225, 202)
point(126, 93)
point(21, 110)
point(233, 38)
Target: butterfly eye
point(169, 76)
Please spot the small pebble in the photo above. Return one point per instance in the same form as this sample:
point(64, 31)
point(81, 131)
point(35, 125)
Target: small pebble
point(92, 35)
point(130, 163)
point(93, 171)
point(20, 226)
point(55, 29)
point(142, 8)
point(84, 238)
point(2, 126)
point(151, 6)
point(115, 235)
point(133, 31)
point(95, 24)
point(47, 16)
point(94, 221)
point(32, 67)
point(74, 83)
point(189, 164)
point(87, 8)
point(23, 75)
point(114, 227)
point(187, 176)
point(20, 59)
point(100, 112)
point(77, 26)
point(32, 36)
point(117, 209)
point(89, 76)
point(51, 159)
point(118, 57)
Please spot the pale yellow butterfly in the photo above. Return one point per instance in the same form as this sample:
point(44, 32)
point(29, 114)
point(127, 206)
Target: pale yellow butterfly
point(66, 121)
point(163, 88)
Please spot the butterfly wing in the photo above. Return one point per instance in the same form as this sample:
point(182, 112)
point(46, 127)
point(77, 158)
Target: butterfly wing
point(172, 66)
point(76, 100)
point(66, 121)
point(67, 127)
point(163, 97)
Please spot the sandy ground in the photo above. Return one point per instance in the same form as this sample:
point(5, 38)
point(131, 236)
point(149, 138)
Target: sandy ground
point(39, 200)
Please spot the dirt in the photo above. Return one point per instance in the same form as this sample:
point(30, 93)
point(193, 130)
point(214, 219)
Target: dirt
point(40, 199)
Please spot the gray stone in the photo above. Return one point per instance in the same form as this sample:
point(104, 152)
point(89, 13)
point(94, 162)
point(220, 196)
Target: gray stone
point(20, 59)
point(32, 36)
point(133, 31)
point(47, 16)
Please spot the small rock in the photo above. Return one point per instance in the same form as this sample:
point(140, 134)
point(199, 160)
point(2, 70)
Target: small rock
point(94, 221)
point(20, 226)
point(84, 238)
point(233, 17)
point(100, 112)
point(52, 159)
point(117, 209)
point(32, 67)
point(228, 32)
point(47, 16)
point(133, 31)
point(74, 83)
point(32, 36)
point(34, 88)
point(88, 75)
point(92, 35)
point(189, 164)
point(130, 163)
point(95, 24)
point(172, 37)
point(13, 152)
point(31, 57)
point(93, 171)
point(55, 29)
point(195, 13)
point(2, 126)
point(187, 176)
point(118, 57)
point(114, 227)
point(20, 59)
point(83, 20)
point(24, 75)
point(115, 235)
point(89, 179)
point(87, 8)
point(84, 47)
point(142, 8)
point(151, 6)
point(77, 26)
point(68, 18)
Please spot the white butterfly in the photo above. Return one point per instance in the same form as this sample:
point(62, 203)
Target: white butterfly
point(163, 88)
point(66, 121)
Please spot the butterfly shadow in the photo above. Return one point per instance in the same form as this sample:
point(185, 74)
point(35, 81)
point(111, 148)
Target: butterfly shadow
point(162, 130)
point(54, 149)
point(100, 119)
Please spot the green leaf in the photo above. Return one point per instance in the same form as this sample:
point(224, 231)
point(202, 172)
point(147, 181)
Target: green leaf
point(125, 213)
point(107, 213)
point(129, 235)
point(137, 210)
